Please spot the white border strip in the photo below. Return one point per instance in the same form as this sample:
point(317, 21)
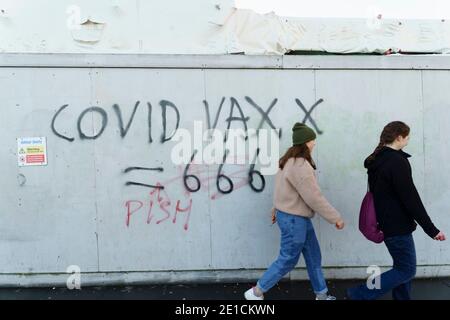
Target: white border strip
point(334, 62)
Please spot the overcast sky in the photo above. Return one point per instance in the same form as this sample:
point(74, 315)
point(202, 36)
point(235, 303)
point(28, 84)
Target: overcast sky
point(412, 9)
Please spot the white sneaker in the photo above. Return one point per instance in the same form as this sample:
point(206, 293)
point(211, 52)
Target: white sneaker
point(250, 295)
point(325, 297)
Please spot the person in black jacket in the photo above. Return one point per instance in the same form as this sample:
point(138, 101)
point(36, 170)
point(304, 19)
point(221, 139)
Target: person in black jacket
point(398, 208)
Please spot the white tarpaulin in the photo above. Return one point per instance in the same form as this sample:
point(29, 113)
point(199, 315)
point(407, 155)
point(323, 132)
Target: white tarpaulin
point(252, 33)
point(200, 27)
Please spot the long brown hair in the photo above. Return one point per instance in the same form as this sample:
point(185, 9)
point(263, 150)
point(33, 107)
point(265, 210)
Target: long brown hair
point(297, 151)
point(390, 132)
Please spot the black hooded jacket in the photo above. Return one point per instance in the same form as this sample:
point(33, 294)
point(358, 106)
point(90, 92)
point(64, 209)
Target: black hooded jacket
point(397, 202)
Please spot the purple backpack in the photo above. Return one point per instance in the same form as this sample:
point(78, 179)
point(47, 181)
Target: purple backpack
point(368, 220)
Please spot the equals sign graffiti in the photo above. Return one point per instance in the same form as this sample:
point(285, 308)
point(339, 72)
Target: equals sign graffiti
point(131, 183)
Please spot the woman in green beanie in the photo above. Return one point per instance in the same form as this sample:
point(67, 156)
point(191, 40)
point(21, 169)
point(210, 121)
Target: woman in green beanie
point(297, 197)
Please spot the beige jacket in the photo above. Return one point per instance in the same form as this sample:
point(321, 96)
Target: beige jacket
point(297, 192)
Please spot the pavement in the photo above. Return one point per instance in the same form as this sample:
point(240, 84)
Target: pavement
point(422, 289)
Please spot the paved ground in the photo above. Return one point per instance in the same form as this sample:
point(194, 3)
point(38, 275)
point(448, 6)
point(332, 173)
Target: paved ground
point(426, 289)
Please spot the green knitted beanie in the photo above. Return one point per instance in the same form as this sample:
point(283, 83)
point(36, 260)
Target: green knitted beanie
point(301, 133)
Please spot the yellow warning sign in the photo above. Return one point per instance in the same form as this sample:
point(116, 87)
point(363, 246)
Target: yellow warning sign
point(38, 149)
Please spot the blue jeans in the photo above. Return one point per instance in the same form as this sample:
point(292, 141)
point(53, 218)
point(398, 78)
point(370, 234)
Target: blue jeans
point(399, 278)
point(297, 236)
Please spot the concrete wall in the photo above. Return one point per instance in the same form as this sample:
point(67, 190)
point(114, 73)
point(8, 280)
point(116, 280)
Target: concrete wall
point(74, 211)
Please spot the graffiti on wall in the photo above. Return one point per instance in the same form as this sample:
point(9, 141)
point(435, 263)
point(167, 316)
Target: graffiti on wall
point(160, 206)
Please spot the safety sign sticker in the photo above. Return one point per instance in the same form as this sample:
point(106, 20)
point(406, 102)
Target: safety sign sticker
point(32, 151)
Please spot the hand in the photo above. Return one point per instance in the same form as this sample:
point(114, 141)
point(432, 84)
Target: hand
point(440, 236)
point(274, 217)
point(340, 224)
